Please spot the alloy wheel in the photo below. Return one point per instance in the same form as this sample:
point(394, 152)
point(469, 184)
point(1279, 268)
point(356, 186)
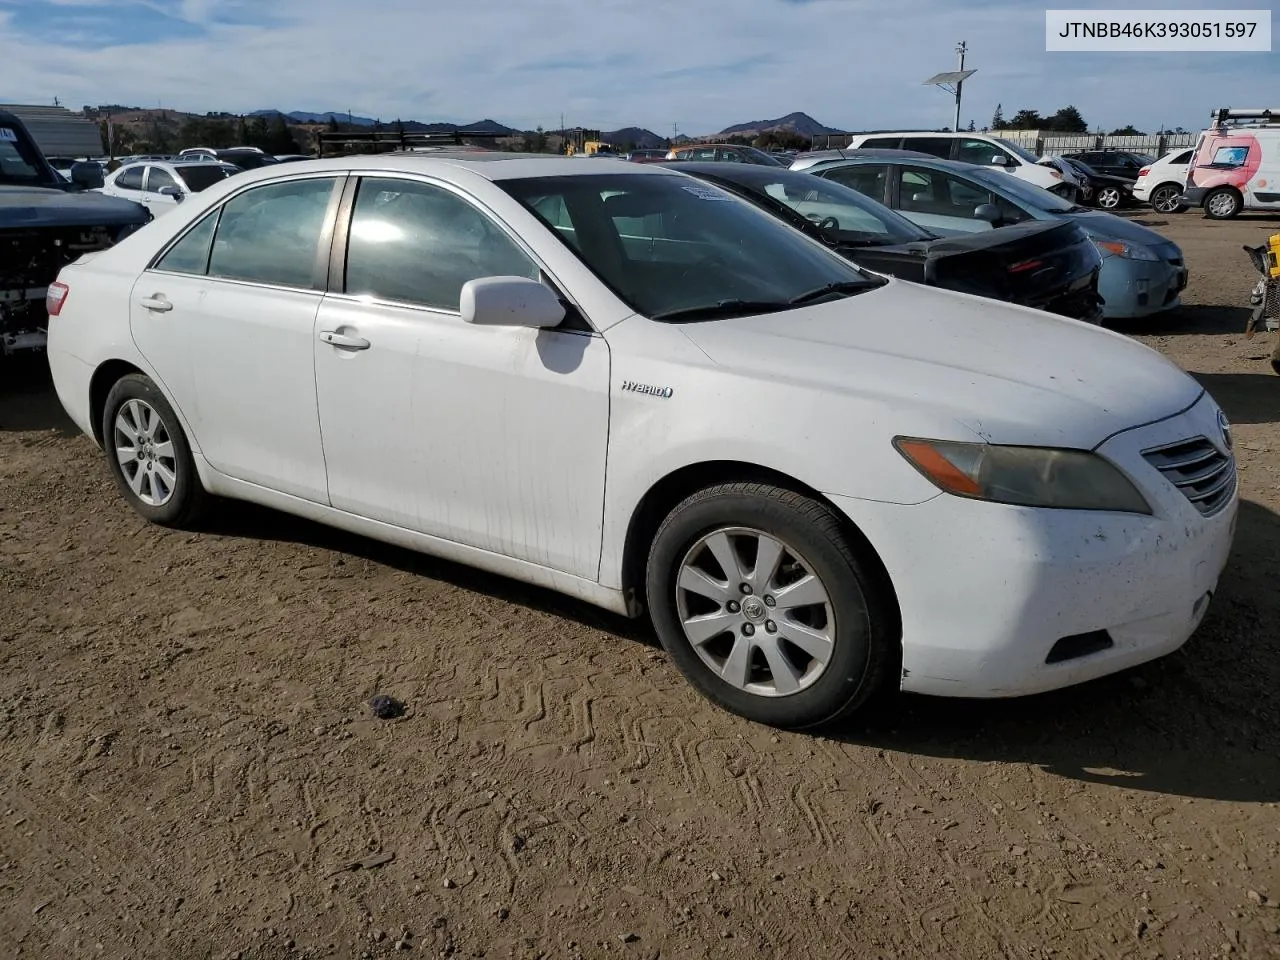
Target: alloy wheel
point(145, 452)
point(755, 611)
point(1165, 200)
point(1222, 205)
point(1108, 198)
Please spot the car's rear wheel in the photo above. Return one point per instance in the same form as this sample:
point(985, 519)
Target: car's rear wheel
point(1108, 198)
point(1222, 204)
point(767, 608)
point(1165, 198)
point(149, 455)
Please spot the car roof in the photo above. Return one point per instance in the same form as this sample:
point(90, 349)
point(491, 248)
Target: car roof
point(493, 165)
point(917, 159)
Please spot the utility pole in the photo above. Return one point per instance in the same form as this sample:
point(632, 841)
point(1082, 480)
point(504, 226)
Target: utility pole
point(954, 79)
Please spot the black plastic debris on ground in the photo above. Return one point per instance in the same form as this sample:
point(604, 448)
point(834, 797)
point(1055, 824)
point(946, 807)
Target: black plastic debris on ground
point(386, 708)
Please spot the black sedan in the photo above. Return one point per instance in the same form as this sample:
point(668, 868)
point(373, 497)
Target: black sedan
point(1046, 265)
point(1106, 191)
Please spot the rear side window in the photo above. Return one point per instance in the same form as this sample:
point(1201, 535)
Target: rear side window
point(867, 178)
point(191, 253)
point(418, 243)
point(130, 178)
point(271, 234)
point(935, 146)
point(881, 143)
point(1183, 158)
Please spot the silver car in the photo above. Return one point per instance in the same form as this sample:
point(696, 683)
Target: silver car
point(1143, 273)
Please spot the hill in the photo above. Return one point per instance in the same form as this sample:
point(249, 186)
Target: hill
point(798, 123)
point(410, 126)
point(642, 139)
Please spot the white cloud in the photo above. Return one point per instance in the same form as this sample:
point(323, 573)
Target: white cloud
point(606, 63)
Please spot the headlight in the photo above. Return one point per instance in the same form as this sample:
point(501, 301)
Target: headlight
point(1024, 476)
point(1130, 251)
point(1055, 173)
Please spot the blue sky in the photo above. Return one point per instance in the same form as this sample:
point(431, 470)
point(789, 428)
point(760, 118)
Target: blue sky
point(702, 64)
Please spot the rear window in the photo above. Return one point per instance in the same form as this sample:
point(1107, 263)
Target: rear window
point(202, 177)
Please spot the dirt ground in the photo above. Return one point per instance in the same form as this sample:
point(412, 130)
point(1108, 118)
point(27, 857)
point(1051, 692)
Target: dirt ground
point(188, 765)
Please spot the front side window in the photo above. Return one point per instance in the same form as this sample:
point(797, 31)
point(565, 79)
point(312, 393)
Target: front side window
point(271, 234)
point(130, 178)
point(418, 243)
point(158, 177)
point(669, 244)
point(846, 216)
point(1183, 158)
point(1018, 150)
point(979, 152)
point(17, 165)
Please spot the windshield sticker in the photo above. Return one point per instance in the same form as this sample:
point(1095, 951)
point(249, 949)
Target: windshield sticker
point(7, 134)
point(706, 193)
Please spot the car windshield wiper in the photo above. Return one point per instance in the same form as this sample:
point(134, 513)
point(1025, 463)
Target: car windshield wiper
point(844, 287)
point(723, 308)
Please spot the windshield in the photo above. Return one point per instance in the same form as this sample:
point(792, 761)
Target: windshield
point(1022, 191)
point(667, 244)
point(1018, 151)
point(198, 178)
point(846, 216)
point(16, 163)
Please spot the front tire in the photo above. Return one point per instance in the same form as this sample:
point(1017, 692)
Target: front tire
point(1222, 204)
point(1164, 199)
point(148, 454)
point(1108, 198)
point(767, 608)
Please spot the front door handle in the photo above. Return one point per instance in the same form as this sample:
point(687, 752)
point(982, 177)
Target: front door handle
point(335, 339)
point(157, 303)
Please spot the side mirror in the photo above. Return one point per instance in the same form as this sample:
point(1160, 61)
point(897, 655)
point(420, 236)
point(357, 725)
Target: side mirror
point(510, 302)
point(87, 175)
point(999, 160)
point(175, 192)
point(988, 212)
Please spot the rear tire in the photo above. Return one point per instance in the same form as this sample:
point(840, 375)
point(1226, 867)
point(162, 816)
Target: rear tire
point(1223, 204)
point(768, 609)
point(1164, 199)
point(148, 454)
point(1108, 198)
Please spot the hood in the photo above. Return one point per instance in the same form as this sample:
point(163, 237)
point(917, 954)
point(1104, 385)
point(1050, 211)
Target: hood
point(34, 207)
point(1108, 226)
point(935, 358)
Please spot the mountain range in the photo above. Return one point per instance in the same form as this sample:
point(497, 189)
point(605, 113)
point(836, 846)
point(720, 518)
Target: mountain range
point(799, 123)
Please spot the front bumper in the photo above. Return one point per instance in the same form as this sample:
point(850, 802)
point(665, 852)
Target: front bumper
point(1139, 288)
point(989, 592)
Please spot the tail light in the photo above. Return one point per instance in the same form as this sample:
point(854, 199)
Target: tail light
point(1144, 171)
point(1025, 265)
point(55, 297)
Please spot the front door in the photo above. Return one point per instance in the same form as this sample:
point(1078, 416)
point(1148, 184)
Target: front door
point(157, 179)
point(226, 318)
point(494, 437)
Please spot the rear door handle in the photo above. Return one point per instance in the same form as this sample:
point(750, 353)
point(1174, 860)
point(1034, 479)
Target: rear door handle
point(157, 303)
point(335, 339)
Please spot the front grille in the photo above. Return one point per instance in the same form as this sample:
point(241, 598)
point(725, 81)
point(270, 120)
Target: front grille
point(1205, 475)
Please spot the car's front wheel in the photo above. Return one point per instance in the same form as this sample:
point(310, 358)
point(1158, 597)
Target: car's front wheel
point(149, 455)
point(768, 608)
point(1223, 204)
point(1109, 198)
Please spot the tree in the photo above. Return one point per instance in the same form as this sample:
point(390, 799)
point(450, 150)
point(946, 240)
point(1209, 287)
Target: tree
point(1067, 120)
point(333, 124)
point(997, 121)
point(1127, 131)
point(279, 138)
point(971, 126)
point(1026, 120)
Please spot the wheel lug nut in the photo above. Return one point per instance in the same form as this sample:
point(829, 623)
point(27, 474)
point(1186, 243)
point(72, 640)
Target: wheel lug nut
point(748, 630)
point(770, 602)
point(746, 589)
point(733, 606)
point(770, 627)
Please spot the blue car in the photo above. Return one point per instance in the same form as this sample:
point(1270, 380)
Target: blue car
point(1142, 272)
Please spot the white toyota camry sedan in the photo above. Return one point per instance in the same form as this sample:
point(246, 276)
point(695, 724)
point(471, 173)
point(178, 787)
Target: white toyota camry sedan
point(624, 384)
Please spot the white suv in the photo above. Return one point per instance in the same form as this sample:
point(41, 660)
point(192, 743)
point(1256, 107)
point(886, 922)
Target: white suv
point(1161, 183)
point(979, 148)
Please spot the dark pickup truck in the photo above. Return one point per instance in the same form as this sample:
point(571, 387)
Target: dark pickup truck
point(46, 223)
